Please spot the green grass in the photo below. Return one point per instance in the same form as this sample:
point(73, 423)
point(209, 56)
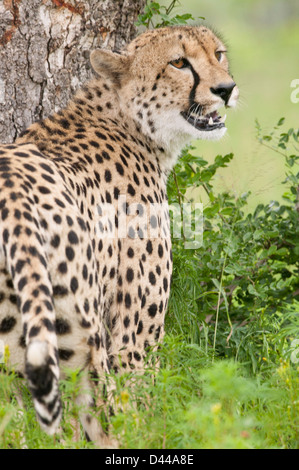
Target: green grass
point(194, 403)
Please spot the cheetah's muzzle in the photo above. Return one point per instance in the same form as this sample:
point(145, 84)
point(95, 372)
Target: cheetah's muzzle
point(208, 122)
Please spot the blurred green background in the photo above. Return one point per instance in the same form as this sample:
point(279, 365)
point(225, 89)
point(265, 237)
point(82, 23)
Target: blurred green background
point(263, 42)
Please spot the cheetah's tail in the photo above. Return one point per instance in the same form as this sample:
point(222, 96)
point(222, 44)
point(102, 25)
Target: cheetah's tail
point(43, 383)
point(26, 261)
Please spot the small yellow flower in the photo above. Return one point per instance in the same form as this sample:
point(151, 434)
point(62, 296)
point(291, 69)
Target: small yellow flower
point(124, 396)
point(283, 368)
point(216, 408)
point(6, 354)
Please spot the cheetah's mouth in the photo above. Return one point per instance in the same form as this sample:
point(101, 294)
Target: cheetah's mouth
point(207, 122)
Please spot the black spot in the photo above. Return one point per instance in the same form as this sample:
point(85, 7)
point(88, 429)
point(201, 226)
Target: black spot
point(13, 299)
point(69, 220)
point(65, 354)
point(62, 268)
point(126, 321)
point(43, 189)
point(116, 193)
point(81, 223)
point(137, 356)
point(108, 176)
point(134, 337)
point(4, 213)
point(57, 219)
point(93, 143)
point(126, 339)
point(22, 283)
point(160, 250)
point(157, 333)
point(65, 123)
point(130, 275)
point(74, 284)
point(119, 168)
point(149, 247)
point(48, 178)
point(59, 291)
point(130, 252)
point(140, 327)
point(47, 168)
point(136, 179)
point(85, 324)
point(152, 278)
point(7, 324)
point(5, 235)
point(99, 158)
point(128, 300)
point(101, 136)
point(34, 331)
point(86, 306)
point(152, 310)
point(55, 241)
point(112, 273)
point(73, 239)
point(17, 230)
point(17, 214)
point(60, 204)
point(131, 190)
point(70, 254)
point(105, 155)
point(21, 154)
point(28, 167)
point(62, 327)
point(22, 342)
point(48, 324)
point(108, 197)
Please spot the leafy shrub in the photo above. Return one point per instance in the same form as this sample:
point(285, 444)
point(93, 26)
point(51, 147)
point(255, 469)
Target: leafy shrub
point(233, 293)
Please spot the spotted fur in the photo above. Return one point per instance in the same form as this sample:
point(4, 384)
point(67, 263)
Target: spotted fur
point(85, 248)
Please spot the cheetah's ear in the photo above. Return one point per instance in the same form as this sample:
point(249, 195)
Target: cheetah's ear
point(110, 65)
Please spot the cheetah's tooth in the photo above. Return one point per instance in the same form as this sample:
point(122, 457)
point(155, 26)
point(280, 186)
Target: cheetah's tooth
point(223, 118)
point(211, 122)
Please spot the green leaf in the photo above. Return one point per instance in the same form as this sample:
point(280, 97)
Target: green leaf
point(258, 234)
point(281, 121)
point(252, 290)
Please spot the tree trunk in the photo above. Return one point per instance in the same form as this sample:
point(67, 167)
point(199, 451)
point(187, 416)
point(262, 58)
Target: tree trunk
point(44, 52)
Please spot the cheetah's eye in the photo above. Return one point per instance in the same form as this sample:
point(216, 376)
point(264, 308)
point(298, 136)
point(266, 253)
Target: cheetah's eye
point(219, 55)
point(179, 63)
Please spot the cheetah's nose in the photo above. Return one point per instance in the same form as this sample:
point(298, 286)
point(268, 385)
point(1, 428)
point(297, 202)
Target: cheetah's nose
point(224, 91)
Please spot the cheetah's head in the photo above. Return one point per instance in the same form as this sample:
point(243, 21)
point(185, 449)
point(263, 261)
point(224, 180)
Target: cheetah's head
point(172, 81)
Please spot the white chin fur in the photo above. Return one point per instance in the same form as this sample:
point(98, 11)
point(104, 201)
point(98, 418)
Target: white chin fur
point(176, 131)
point(216, 134)
point(194, 133)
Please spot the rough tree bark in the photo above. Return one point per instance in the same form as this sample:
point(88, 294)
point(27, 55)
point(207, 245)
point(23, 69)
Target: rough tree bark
point(44, 51)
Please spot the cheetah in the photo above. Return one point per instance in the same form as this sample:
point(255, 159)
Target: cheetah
point(85, 251)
